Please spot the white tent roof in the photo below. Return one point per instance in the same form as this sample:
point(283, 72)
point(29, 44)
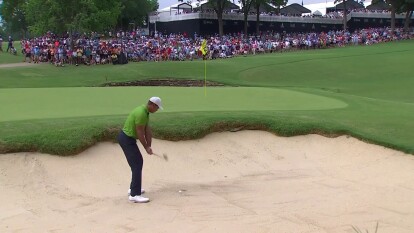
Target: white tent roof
point(317, 13)
point(196, 4)
point(168, 7)
point(193, 4)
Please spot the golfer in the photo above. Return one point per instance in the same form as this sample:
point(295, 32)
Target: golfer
point(136, 127)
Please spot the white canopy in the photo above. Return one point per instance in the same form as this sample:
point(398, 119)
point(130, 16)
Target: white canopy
point(317, 13)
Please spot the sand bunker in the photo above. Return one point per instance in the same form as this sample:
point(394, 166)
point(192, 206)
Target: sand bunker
point(248, 181)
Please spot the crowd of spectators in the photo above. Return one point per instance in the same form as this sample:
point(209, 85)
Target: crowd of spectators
point(365, 10)
point(335, 14)
point(97, 49)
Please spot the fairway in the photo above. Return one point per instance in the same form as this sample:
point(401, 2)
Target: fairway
point(43, 103)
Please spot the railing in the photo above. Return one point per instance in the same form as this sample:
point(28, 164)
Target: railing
point(376, 15)
point(166, 17)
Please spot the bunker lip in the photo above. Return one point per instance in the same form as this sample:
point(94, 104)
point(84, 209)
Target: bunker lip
point(165, 82)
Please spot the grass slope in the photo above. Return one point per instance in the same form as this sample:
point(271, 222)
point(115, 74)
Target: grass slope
point(6, 57)
point(365, 92)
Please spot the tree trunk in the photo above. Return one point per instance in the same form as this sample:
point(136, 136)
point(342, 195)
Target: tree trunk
point(72, 45)
point(220, 22)
point(245, 25)
point(219, 8)
point(392, 19)
point(257, 19)
point(408, 16)
point(345, 16)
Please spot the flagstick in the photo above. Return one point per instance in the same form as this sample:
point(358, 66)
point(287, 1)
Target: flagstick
point(205, 77)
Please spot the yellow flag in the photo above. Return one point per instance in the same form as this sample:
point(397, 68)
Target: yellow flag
point(204, 47)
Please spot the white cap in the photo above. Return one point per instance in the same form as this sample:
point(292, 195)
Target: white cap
point(157, 101)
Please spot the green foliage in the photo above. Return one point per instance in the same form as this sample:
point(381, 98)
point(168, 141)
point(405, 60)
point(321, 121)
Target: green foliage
point(13, 14)
point(407, 6)
point(61, 16)
point(2, 30)
point(279, 3)
point(401, 6)
point(135, 11)
point(246, 5)
point(265, 3)
point(376, 1)
point(71, 15)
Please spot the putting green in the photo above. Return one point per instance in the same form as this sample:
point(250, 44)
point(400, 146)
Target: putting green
point(41, 103)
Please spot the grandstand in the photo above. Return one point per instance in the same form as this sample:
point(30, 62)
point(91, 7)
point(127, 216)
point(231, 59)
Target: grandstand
point(199, 18)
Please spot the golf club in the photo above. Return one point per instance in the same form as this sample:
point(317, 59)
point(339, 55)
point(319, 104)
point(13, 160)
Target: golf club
point(164, 156)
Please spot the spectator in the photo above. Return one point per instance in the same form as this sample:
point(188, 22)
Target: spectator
point(10, 44)
point(27, 52)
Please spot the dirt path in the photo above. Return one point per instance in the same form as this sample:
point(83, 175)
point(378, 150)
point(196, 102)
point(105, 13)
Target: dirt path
point(21, 64)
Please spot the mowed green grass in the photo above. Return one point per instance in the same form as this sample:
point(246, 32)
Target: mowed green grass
point(6, 57)
point(379, 71)
point(42, 103)
point(363, 91)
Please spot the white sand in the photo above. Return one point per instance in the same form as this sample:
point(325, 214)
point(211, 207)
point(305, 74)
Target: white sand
point(248, 181)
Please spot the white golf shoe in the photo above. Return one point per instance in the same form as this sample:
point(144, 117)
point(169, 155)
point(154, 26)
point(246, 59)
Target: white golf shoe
point(142, 191)
point(138, 199)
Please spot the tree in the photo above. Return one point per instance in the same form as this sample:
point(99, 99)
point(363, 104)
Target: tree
point(345, 20)
point(135, 12)
point(396, 6)
point(61, 16)
point(257, 4)
point(13, 14)
point(407, 7)
point(246, 5)
point(2, 29)
point(279, 4)
point(376, 1)
point(219, 6)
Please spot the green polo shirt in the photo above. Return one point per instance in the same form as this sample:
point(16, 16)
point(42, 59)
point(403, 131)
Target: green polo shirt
point(138, 116)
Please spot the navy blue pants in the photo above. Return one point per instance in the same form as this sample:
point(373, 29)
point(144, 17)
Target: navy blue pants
point(135, 161)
